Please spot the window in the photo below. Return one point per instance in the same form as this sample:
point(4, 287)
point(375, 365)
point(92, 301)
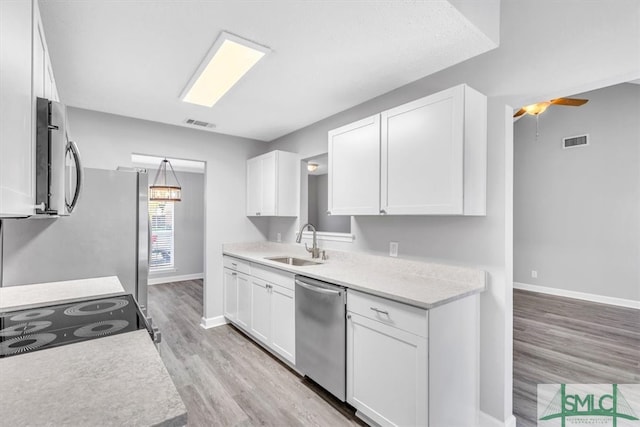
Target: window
point(161, 215)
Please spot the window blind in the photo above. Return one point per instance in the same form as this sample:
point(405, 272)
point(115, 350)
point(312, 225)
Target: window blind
point(162, 235)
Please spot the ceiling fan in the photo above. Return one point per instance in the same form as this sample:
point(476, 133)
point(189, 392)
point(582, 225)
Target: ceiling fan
point(540, 107)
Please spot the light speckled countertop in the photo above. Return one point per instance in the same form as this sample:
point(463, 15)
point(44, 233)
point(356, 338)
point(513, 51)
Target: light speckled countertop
point(24, 296)
point(421, 284)
point(110, 381)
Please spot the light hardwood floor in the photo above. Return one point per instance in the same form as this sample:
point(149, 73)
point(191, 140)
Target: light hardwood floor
point(227, 380)
point(562, 340)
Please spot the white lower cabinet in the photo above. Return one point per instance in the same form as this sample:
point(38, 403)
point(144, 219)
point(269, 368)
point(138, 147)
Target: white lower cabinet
point(260, 309)
point(273, 316)
point(244, 301)
point(283, 331)
point(261, 301)
point(387, 373)
point(411, 367)
point(230, 291)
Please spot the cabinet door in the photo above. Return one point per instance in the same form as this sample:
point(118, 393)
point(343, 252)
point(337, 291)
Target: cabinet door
point(244, 301)
point(386, 373)
point(254, 186)
point(230, 291)
point(422, 155)
point(260, 309)
point(283, 327)
point(17, 150)
point(354, 168)
point(50, 91)
point(39, 62)
point(268, 184)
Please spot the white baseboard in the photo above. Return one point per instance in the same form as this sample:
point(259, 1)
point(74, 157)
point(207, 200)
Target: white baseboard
point(212, 322)
point(486, 420)
point(169, 279)
point(578, 295)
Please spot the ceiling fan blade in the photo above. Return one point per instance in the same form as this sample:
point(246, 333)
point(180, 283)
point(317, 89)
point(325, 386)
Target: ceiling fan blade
point(572, 102)
point(519, 113)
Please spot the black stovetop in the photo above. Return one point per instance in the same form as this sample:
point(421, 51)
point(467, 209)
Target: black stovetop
point(39, 328)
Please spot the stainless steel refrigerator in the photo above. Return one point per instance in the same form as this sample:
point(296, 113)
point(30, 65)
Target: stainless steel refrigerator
point(107, 235)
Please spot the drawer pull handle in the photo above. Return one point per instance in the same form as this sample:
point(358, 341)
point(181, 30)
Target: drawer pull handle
point(234, 264)
point(377, 310)
point(234, 274)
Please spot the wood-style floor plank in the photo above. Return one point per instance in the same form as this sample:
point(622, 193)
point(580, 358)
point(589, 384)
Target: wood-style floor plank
point(562, 340)
point(225, 379)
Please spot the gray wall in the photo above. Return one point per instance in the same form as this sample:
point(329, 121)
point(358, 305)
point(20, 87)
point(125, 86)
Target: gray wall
point(188, 227)
point(319, 205)
point(107, 141)
point(312, 194)
point(577, 211)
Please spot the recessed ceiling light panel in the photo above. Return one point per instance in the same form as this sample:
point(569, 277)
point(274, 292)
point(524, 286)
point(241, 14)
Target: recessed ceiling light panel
point(227, 61)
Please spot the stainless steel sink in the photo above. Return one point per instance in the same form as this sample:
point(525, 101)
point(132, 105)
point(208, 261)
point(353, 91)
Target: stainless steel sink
point(299, 262)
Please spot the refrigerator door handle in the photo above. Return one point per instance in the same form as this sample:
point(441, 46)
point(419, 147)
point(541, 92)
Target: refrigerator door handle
point(73, 148)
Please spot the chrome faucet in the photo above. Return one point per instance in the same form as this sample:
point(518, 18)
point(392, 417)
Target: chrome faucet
point(315, 250)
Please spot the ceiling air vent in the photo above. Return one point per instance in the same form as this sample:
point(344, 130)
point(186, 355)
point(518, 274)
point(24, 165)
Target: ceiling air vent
point(575, 141)
point(199, 123)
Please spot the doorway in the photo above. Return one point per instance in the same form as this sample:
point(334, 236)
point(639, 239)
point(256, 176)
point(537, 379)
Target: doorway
point(577, 245)
point(177, 246)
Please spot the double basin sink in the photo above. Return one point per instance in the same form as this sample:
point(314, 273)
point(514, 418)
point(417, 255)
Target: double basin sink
point(298, 262)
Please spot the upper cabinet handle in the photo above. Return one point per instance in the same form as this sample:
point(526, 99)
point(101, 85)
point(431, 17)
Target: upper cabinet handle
point(382, 211)
point(328, 212)
point(258, 213)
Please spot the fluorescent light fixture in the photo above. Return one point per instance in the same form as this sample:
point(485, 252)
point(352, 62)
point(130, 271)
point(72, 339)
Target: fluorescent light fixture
point(227, 61)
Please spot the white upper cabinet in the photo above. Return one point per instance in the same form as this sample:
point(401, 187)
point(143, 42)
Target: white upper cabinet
point(354, 168)
point(44, 83)
point(273, 184)
point(25, 63)
point(17, 148)
point(432, 158)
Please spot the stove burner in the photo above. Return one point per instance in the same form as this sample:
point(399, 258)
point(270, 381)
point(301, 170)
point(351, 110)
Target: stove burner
point(25, 343)
point(31, 315)
point(25, 328)
point(95, 307)
point(99, 329)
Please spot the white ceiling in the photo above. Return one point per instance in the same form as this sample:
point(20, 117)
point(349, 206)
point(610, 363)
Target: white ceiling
point(134, 58)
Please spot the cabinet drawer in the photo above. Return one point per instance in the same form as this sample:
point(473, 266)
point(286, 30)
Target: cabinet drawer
point(398, 315)
point(236, 264)
point(273, 275)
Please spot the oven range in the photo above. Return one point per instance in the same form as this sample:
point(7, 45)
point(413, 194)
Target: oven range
point(39, 328)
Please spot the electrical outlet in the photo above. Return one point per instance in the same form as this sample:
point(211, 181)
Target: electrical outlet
point(393, 249)
point(534, 274)
point(279, 237)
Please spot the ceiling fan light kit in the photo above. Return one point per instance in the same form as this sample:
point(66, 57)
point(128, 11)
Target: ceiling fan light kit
point(540, 107)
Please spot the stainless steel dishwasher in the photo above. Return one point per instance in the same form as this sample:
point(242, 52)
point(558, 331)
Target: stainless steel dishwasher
point(321, 333)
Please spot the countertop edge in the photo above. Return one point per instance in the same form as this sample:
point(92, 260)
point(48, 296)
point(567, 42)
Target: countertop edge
point(61, 301)
point(393, 297)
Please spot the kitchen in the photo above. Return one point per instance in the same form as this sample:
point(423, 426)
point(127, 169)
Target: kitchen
point(516, 73)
